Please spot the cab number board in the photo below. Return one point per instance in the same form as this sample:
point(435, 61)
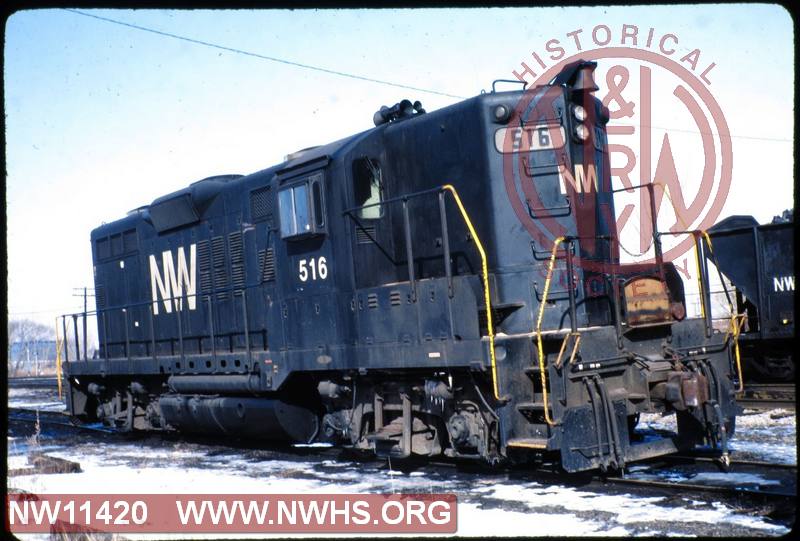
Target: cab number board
point(527, 138)
point(313, 269)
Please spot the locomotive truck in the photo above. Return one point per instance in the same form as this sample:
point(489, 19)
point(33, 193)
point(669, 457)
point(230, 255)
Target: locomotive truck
point(380, 293)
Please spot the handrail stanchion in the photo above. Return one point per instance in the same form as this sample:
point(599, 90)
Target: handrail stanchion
point(706, 291)
point(180, 331)
point(85, 339)
point(77, 340)
point(617, 309)
point(152, 331)
point(106, 353)
point(127, 335)
point(246, 326)
point(211, 327)
point(657, 248)
point(66, 339)
point(446, 245)
point(573, 312)
point(409, 250)
point(705, 309)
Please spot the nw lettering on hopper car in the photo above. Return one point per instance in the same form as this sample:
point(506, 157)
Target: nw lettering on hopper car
point(783, 283)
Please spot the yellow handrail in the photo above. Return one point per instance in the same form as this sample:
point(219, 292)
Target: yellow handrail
point(735, 325)
point(540, 347)
point(485, 274)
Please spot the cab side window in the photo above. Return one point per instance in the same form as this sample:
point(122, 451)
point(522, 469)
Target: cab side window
point(293, 203)
point(368, 188)
point(301, 208)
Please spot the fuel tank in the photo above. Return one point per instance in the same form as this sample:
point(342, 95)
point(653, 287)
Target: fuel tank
point(258, 418)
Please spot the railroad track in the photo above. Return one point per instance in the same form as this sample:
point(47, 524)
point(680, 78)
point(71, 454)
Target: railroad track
point(53, 418)
point(768, 396)
point(33, 381)
point(779, 480)
point(779, 487)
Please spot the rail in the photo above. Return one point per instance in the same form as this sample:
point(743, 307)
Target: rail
point(441, 191)
point(735, 322)
point(176, 304)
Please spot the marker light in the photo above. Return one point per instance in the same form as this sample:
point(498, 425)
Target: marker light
point(579, 112)
point(582, 132)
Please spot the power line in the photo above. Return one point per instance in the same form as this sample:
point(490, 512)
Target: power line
point(263, 57)
point(732, 136)
point(357, 77)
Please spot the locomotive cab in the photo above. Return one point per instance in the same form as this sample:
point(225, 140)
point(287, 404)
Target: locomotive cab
point(447, 282)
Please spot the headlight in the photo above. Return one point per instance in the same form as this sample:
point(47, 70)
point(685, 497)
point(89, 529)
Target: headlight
point(579, 112)
point(501, 113)
point(582, 132)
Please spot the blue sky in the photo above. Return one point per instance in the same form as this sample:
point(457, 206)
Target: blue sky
point(102, 118)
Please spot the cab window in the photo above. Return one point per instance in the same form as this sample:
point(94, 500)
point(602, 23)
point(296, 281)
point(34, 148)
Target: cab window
point(301, 208)
point(368, 188)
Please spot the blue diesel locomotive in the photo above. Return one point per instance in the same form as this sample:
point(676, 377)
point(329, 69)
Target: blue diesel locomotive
point(381, 292)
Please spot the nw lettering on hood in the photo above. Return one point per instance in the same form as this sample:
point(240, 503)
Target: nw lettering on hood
point(173, 286)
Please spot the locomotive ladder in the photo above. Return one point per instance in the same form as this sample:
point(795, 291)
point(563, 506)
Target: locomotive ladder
point(540, 368)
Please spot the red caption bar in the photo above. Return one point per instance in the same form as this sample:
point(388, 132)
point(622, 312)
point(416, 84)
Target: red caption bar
point(237, 513)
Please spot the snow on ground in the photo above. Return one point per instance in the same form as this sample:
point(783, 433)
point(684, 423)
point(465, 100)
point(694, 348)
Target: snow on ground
point(34, 398)
point(495, 504)
point(718, 478)
point(760, 435)
point(490, 504)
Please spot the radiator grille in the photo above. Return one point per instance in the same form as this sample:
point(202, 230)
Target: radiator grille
point(237, 259)
point(218, 261)
point(100, 296)
point(235, 246)
point(218, 251)
point(221, 282)
point(237, 276)
point(204, 265)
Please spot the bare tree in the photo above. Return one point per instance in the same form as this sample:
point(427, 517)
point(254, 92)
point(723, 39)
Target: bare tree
point(26, 333)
